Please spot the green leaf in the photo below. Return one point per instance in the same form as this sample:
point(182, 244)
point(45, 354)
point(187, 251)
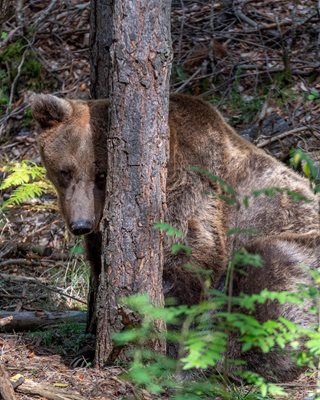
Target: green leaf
point(126, 337)
point(306, 170)
point(180, 247)
point(275, 390)
point(168, 229)
point(3, 35)
point(313, 95)
point(27, 180)
point(77, 249)
point(243, 258)
point(264, 389)
point(214, 178)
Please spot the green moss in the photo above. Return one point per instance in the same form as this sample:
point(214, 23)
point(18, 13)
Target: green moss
point(31, 66)
point(12, 52)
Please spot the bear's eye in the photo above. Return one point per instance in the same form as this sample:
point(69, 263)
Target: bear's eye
point(101, 180)
point(65, 176)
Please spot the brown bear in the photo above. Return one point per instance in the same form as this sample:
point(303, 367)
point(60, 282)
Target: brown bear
point(72, 149)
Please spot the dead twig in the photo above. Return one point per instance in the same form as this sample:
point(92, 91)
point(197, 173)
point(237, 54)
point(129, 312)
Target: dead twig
point(19, 261)
point(44, 14)
point(9, 248)
point(6, 10)
point(187, 81)
point(38, 282)
point(16, 78)
point(241, 16)
point(282, 135)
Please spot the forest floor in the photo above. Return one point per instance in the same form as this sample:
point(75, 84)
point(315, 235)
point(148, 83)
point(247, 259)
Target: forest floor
point(257, 61)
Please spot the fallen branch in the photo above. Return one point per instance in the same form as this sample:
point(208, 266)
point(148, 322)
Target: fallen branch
point(185, 83)
point(19, 261)
point(47, 391)
point(10, 248)
point(23, 321)
point(20, 278)
point(6, 389)
point(6, 320)
point(38, 282)
point(281, 136)
point(241, 16)
point(44, 14)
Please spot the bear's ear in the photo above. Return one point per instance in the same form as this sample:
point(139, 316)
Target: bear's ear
point(48, 110)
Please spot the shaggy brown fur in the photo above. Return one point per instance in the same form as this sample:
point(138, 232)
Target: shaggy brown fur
point(72, 150)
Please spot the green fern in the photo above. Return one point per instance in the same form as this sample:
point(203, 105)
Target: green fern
point(27, 181)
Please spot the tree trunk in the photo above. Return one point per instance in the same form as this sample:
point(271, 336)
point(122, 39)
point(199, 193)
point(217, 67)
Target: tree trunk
point(131, 54)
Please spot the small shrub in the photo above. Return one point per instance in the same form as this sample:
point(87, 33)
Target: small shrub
point(200, 370)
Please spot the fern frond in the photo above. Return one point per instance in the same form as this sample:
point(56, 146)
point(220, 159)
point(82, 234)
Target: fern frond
point(26, 192)
point(21, 173)
point(27, 181)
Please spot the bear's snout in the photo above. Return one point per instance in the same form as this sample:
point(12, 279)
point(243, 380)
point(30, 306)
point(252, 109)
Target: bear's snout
point(81, 227)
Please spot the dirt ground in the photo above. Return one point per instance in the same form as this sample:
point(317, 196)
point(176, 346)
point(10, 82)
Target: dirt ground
point(21, 355)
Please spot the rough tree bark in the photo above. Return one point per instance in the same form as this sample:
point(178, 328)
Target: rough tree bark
point(131, 54)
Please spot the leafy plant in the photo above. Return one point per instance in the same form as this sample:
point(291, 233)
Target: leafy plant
point(231, 197)
point(301, 159)
point(200, 333)
point(26, 180)
point(3, 35)
point(245, 108)
point(313, 95)
point(203, 342)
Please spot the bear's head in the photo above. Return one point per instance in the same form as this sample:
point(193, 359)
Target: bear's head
point(73, 150)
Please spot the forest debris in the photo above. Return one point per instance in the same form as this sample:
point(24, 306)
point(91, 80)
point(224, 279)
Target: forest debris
point(282, 135)
point(252, 58)
point(21, 321)
point(48, 391)
point(240, 14)
point(6, 389)
point(6, 11)
point(12, 248)
point(38, 282)
point(6, 320)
